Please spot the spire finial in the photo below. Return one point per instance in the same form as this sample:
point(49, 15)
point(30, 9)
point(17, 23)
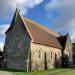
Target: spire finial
point(17, 7)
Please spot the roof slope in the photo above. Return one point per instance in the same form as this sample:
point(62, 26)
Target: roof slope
point(40, 35)
point(56, 34)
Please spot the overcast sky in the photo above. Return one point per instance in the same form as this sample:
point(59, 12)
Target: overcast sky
point(58, 15)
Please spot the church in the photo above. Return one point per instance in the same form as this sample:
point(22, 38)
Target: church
point(30, 46)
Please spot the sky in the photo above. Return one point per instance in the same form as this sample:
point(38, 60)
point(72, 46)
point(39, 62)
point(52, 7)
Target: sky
point(58, 15)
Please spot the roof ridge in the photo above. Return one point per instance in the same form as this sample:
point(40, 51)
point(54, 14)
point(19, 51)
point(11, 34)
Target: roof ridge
point(50, 31)
point(40, 35)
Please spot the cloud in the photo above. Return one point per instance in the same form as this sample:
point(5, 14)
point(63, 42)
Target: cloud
point(71, 29)
point(59, 4)
point(65, 21)
point(3, 28)
point(1, 45)
point(24, 5)
point(7, 7)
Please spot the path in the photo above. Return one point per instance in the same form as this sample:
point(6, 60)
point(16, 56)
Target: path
point(6, 73)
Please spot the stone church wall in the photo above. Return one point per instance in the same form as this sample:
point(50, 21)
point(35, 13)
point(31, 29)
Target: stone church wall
point(45, 57)
point(17, 46)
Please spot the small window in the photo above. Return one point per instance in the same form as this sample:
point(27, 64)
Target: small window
point(39, 55)
point(51, 55)
point(55, 56)
point(17, 38)
point(39, 52)
point(16, 49)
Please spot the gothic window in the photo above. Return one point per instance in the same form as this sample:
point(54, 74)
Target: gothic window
point(39, 52)
point(17, 38)
point(39, 55)
point(55, 56)
point(16, 44)
point(51, 55)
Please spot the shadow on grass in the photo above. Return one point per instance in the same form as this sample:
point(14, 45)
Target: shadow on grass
point(11, 70)
point(15, 70)
point(39, 71)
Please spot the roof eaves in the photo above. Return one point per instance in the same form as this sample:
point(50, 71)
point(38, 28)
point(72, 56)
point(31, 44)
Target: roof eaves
point(47, 45)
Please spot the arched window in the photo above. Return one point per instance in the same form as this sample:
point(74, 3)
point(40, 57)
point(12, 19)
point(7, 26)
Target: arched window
point(17, 38)
point(55, 57)
point(39, 52)
point(16, 44)
point(51, 55)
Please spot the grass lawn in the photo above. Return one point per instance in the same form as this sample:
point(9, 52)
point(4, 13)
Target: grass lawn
point(62, 71)
point(39, 72)
point(72, 72)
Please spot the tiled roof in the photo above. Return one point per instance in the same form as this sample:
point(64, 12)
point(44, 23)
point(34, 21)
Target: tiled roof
point(40, 35)
point(56, 34)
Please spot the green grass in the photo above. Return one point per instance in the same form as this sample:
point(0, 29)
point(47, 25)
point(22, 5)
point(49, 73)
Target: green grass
point(62, 71)
point(72, 72)
point(39, 72)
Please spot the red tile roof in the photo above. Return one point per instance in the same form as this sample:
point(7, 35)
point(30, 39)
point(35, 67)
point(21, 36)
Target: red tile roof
point(40, 35)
